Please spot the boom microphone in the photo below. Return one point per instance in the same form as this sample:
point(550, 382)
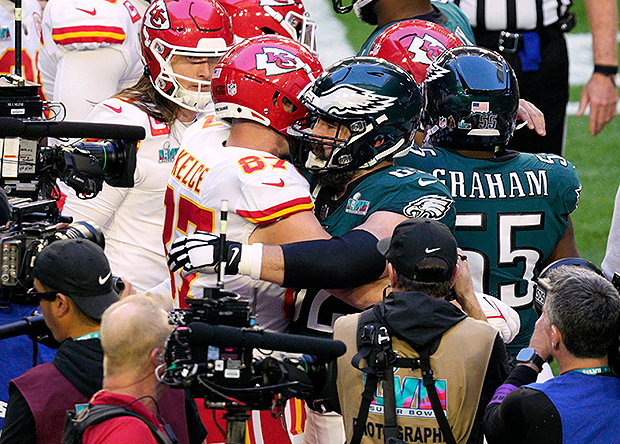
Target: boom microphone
point(11, 127)
point(225, 336)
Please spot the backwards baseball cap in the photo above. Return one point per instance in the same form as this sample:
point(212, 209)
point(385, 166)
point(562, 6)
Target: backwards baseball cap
point(79, 269)
point(413, 242)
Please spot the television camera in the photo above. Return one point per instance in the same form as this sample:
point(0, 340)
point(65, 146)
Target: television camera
point(219, 354)
point(30, 166)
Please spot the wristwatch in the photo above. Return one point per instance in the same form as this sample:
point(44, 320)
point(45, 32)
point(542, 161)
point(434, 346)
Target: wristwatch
point(529, 355)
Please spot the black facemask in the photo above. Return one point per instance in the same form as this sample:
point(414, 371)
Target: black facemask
point(367, 14)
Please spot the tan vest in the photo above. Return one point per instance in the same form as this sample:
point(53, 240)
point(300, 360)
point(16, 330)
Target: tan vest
point(459, 366)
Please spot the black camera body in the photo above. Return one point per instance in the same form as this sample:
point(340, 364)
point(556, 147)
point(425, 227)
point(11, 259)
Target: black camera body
point(224, 366)
point(29, 166)
point(33, 226)
point(218, 353)
point(29, 169)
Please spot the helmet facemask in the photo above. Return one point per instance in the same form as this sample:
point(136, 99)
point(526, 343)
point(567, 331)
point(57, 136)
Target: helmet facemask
point(301, 28)
point(372, 107)
point(364, 10)
point(167, 82)
point(189, 29)
point(353, 140)
point(308, 150)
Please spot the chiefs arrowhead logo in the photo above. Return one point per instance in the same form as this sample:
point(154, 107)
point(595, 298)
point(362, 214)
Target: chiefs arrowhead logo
point(425, 49)
point(156, 17)
point(276, 61)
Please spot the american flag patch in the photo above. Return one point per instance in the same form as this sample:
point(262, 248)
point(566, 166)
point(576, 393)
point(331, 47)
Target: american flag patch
point(481, 107)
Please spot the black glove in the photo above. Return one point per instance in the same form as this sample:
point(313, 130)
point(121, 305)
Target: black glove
point(200, 252)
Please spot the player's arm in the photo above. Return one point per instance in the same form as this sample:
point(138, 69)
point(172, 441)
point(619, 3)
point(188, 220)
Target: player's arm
point(297, 227)
point(601, 91)
point(339, 262)
point(76, 84)
point(99, 210)
point(566, 246)
point(345, 262)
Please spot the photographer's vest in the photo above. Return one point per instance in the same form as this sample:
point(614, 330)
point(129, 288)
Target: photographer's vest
point(459, 367)
point(49, 395)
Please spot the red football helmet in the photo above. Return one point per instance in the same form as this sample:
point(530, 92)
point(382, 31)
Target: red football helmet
point(198, 28)
point(289, 18)
point(261, 78)
point(413, 45)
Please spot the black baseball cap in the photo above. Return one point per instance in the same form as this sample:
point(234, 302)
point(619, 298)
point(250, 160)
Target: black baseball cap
point(79, 269)
point(415, 240)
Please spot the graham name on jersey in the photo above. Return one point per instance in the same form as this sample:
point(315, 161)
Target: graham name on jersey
point(509, 184)
point(189, 170)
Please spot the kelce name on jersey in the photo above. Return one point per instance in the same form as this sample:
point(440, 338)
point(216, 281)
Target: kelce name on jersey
point(508, 184)
point(189, 170)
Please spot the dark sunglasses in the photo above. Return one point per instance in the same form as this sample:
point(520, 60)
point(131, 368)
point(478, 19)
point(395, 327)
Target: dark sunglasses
point(47, 295)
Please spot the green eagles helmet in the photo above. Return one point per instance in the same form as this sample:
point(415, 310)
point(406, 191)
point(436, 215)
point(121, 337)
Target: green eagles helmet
point(471, 97)
point(376, 100)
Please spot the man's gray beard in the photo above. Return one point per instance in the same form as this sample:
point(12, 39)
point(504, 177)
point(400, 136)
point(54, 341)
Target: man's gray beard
point(335, 182)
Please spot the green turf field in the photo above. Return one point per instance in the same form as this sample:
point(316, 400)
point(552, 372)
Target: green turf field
point(597, 158)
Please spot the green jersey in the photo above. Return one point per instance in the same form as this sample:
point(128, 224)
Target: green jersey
point(401, 190)
point(445, 14)
point(511, 213)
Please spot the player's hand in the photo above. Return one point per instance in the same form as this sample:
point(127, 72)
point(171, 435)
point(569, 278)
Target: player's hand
point(602, 95)
point(500, 316)
point(532, 117)
point(200, 252)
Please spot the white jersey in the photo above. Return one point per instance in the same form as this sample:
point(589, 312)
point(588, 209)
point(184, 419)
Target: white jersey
point(132, 218)
point(77, 28)
point(31, 38)
point(260, 189)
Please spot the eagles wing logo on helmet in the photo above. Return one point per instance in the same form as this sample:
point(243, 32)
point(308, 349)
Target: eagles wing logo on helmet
point(431, 206)
point(157, 17)
point(435, 72)
point(276, 2)
point(348, 99)
point(425, 49)
point(276, 61)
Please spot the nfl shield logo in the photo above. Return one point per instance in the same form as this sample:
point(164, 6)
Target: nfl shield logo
point(232, 89)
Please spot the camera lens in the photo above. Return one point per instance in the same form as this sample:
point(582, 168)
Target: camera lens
point(82, 230)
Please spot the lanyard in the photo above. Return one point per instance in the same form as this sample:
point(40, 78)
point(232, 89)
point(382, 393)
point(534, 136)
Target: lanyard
point(593, 371)
point(92, 335)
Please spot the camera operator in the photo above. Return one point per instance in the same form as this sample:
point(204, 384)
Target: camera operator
point(467, 357)
point(74, 284)
point(578, 326)
point(130, 370)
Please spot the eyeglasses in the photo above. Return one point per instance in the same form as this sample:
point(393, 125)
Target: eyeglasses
point(46, 295)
